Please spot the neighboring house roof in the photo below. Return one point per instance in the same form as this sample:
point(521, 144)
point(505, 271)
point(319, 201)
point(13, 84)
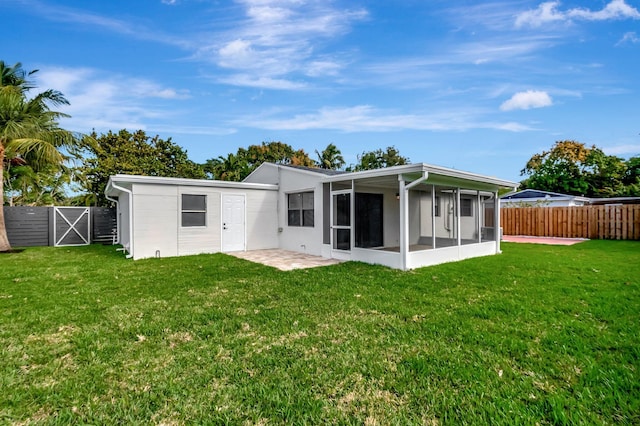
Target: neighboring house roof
point(534, 194)
point(616, 200)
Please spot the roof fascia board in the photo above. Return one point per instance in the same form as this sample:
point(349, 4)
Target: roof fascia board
point(131, 179)
point(389, 171)
point(434, 172)
point(437, 170)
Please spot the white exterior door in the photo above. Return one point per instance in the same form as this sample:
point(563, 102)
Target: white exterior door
point(233, 229)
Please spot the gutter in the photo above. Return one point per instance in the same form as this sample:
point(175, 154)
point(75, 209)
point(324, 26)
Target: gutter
point(425, 176)
point(128, 191)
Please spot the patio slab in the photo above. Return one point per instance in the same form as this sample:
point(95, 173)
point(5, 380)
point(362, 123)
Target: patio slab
point(543, 240)
point(283, 259)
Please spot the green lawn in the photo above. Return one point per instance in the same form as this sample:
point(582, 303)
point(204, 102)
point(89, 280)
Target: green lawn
point(539, 334)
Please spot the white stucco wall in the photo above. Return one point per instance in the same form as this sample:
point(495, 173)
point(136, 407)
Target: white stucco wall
point(155, 216)
point(262, 219)
point(157, 220)
point(300, 238)
point(196, 239)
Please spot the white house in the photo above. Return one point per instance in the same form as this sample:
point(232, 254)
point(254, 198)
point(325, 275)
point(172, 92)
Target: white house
point(403, 217)
point(536, 198)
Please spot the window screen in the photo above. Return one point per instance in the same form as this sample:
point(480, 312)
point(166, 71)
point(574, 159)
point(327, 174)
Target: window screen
point(300, 210)
point(194, 210)
point(466, 207)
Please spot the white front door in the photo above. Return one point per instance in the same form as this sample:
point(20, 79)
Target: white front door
point(233, 223)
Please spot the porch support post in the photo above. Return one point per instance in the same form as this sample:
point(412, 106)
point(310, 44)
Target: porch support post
point(433, 216)
point(404, 222)
point(479, 219)
point(458, 217)
point(496, 220)
point(352, 219)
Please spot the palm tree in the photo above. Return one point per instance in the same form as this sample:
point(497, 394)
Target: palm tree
point(29, 129)
point(330, 158)
point(15, 77)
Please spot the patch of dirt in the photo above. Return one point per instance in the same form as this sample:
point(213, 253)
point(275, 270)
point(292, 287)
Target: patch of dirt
point(12, 251)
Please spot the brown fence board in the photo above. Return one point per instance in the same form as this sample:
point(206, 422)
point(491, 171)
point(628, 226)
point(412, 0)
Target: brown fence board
point(619, 222)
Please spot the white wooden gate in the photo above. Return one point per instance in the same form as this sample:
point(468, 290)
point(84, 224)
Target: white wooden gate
point(71, 226)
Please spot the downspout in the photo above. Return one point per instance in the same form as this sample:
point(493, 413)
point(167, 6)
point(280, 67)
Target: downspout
point(404, 214)
point(128, 191)
point(458, 220)
point(280, 208)
point(115, 200)
point(496, 219)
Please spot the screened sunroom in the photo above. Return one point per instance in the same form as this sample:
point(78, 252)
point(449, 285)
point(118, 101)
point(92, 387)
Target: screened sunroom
point(410, 216)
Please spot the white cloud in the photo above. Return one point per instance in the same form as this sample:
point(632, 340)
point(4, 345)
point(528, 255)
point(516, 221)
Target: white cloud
point(365, 118)
point(106, 101)
point(629, 37)
point(277, 39)
point(323, 68)
point(250, 80)
point(629, 149)
point(549, 12)
point(545, 13)
point(616, 9)
point(75, 16)
point(527, 100)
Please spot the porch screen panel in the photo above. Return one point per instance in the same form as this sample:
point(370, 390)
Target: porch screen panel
point(446, 222)
point(342, 221)
point(341, 210)
point(369, 220)
point(487, 231)
point(469, 218)
point(342, 239)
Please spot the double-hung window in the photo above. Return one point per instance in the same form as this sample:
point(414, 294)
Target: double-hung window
point(194, 210)
point(300, 209)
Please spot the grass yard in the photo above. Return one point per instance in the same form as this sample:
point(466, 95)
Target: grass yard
point(539, 334)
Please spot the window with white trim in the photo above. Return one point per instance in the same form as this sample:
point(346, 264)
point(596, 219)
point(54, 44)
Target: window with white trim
point(300, 209)
point(194, 210)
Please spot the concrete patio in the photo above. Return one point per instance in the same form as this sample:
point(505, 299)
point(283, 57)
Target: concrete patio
point(283, 259)
point(556, 241)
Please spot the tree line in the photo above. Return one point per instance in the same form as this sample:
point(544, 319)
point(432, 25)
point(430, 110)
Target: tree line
point(571, 167)
point(41, 163)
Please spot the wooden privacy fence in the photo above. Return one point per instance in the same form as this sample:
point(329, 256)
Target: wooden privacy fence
point(608, 222)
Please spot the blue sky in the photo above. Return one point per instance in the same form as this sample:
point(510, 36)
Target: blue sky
point(474, 86)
